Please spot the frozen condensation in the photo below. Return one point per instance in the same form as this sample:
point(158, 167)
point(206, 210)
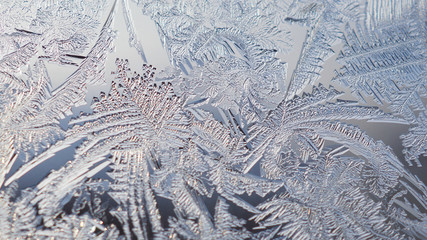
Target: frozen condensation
point(293, 119)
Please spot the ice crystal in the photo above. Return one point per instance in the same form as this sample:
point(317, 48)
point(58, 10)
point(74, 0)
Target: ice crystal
point(385, 58)
point(230, 142)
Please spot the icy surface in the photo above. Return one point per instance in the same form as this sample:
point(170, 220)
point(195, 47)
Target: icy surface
point(229, 142)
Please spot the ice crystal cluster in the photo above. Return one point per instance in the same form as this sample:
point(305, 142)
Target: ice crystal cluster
point(275, 119)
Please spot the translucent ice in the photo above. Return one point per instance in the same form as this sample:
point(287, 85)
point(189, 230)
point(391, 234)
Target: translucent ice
point(230, 142)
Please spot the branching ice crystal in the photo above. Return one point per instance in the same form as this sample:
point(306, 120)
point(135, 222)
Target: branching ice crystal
point(229, 142)
point(386, 59)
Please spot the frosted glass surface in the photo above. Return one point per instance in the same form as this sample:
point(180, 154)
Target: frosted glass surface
point(200, 119)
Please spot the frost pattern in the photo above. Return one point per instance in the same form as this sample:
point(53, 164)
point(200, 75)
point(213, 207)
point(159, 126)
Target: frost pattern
point(221, 145)
point(386, 59)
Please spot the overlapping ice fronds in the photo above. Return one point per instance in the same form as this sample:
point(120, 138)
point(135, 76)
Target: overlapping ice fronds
point(221, 146)
point(237, 37)
point(56, 31)
point(30, 111)
point(323, 20)
point(196, 32)
point(385, 57)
